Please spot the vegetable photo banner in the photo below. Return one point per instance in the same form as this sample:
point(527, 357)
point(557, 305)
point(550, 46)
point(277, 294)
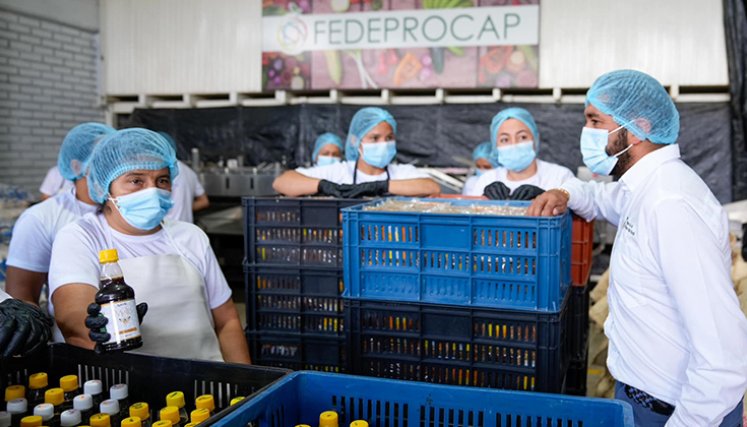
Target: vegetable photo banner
point(370, 44)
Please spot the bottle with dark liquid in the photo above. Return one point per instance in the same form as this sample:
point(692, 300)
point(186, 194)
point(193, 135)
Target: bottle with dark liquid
point(117, 301)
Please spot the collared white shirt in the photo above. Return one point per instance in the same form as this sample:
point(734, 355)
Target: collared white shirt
point(549, 175)
point(675, 328)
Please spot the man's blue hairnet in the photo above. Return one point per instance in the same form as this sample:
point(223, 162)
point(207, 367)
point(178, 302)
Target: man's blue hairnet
point(325, 139)
point(519, 114)
point(637, 102)
point(168, 139)
point(483, 151)
point(77, 147)
point(124, 151)
point(363, 121)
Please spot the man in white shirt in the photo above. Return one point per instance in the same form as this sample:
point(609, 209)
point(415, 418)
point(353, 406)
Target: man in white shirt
point(370, 149)
point(30, 248)
point(677, 338)
point(187, 192)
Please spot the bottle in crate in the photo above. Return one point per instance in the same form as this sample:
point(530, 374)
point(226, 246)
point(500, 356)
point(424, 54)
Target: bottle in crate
point(170, 414)
point(69, 386)
point(117, 301)
point(31, 421)
point(199, 415)
point(329, 419)
point(4, 419)
point(84, 404)
point(176, 398)
point(46, 412)
point(38, 384)
point(95, 389)
point(359, 423)
point(206, 401)
point(120, 393)
point(14, 392)
point(132, 422)
point(71, 418)
point(111, 407)
point(17, 408)
point(56, 397)
point(141, 410)
point(100, 420)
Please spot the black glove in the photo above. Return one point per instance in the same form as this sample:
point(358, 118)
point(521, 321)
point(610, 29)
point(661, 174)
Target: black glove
point(24, 328)
point(96, 323)
point(497, 191)
point(328, 188)
point(367, 189)
point(526, 192)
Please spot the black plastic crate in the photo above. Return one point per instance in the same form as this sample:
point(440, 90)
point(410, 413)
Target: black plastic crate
point(149, 378)
point(294, 231)
point(294, 300)
point(579, 333)
point(495, 348)
point(576, 377)
point(298, 351)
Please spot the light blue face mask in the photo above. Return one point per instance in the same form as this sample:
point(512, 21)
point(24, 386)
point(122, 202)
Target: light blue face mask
point(326, 160)
point(379, 154)
point(480, 172)
point(517, 157)
point(144, 209)
point(594, 150)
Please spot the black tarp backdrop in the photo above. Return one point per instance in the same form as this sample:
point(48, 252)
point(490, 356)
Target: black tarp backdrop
point(433, 135)
point(735, 29)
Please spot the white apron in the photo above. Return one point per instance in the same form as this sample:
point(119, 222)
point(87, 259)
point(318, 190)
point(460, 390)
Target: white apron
point(179, 322)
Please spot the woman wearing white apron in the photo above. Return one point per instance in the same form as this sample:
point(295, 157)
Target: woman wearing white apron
point(169, 264)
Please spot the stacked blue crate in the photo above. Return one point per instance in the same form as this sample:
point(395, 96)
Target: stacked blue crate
point(465, 299)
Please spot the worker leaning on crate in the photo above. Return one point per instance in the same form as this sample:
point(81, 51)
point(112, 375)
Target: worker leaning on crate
point(519, 175)
point(677, 337)
point(370, 148)
point(169, 264)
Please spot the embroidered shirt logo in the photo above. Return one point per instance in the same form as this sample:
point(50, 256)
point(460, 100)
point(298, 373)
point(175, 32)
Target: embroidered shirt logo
point(629, 227)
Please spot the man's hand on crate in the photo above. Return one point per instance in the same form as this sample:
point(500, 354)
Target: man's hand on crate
point(497, 191)
point(526, 192)
point(329, 188)
point(550, 203)
point(24, 328)
point(95, 323)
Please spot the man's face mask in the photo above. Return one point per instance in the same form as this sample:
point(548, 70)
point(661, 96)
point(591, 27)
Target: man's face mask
point(517, 157)
point(379, 154)
point(593, 149)
point(144, 209)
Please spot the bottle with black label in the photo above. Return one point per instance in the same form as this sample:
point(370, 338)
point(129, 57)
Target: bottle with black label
point(117, 301)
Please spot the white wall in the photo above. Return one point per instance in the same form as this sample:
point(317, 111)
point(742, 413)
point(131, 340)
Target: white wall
point(202, 46)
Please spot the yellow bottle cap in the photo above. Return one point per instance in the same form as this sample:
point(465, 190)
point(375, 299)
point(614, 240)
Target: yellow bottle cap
point(359, 423)
point(69, 383)
point(328, 419)
point(302, 425)
point(31, 421)
point(140, 410)
point(108, 255)
point(131, 422)
point(170, 413)
point(14, 392)
point(162, 423)
point(100, 420)
point(55, 396)
point(236, 400)
point(175, 398)
point(199, 415)
point(38, 380)
point(190, 425)
point(205, 401)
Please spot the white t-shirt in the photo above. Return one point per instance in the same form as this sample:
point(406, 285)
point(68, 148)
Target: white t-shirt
point(469, 185)
point(75, 254)
point(342, 173)
point(185, 188)
point(549, 175)
point(54, 182)
point(36, 228)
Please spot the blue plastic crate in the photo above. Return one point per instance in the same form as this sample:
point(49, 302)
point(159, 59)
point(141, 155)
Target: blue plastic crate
point(473, 260)
point(300, 397)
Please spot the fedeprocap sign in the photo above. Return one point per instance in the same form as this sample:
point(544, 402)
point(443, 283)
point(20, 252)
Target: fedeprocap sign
point(360, 44)
point(476, 26)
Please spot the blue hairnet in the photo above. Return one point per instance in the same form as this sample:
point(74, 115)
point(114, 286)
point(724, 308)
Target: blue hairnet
point(124, 151)
point(638, 102)
point(77, 147)
point(168, 139)
point(363, 121)
point(483, 151)
point(325, 139)
point(519, 114)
